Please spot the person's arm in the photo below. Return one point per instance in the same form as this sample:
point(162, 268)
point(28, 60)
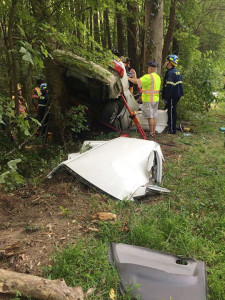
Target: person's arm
point(133, 80)
point(133, 73)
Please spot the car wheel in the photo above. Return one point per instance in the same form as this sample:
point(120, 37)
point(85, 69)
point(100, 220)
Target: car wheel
point(110, 112)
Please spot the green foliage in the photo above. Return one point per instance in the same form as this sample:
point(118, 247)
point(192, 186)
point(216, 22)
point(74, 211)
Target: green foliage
point(65, 211)
point(75, 121)
point(188, 49)
point(200, 80)
point(16, 126)
point(31, 228)
point(10, 176)
point(85, 264)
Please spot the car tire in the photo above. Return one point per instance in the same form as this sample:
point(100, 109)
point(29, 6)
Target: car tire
point(110, 112)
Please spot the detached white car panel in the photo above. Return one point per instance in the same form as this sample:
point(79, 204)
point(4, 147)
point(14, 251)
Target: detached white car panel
point(124, 168)
point(162, 119)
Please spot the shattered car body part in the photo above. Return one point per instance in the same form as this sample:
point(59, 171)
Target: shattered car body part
point(162, 119)
point(154, 275)
point(124, 168)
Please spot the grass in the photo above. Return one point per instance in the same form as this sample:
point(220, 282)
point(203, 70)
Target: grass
point(189, 221)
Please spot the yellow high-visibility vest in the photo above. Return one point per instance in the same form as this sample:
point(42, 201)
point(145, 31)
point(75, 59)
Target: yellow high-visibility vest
point(149, 85)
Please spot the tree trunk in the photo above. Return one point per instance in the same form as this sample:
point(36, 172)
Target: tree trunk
point(13, 56)
point(132, 32)
point(169, 35)
point(103, 32)
point(141, 41)
point(107, 27)
point(153, 32)
point(37, 287)
point(8, 57)
point(39, 9)
point(91, 26)
point(119, 23)
point(96, 27)
point(58, 93)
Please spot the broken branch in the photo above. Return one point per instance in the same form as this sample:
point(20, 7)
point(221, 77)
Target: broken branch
point(37, 287)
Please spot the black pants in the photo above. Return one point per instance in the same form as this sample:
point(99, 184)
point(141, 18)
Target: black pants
point(172, 114)
point(41, 114)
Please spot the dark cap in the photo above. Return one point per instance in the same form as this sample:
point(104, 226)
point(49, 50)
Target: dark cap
point(152, 64)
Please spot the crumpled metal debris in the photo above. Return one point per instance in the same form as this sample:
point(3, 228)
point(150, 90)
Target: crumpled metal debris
point(124, 168)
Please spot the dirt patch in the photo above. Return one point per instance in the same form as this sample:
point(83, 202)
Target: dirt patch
point(33, 222)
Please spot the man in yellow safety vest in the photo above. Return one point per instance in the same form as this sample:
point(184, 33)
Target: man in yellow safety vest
point(149, 85)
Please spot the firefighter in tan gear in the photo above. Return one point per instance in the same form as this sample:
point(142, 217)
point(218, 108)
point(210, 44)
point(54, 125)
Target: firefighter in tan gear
point(22, 103)
point(149, 85)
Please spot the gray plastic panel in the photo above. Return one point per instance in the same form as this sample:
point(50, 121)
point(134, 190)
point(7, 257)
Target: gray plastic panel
point(153, 275)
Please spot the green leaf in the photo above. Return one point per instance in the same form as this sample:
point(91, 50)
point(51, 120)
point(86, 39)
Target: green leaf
point(23, 50)
point(3, 176)
point(13, 164)
point(27, 57)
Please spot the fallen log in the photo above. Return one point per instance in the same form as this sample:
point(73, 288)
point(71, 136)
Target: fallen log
point(37, 287)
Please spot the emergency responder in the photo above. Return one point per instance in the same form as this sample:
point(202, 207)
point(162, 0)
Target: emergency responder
point(36, 93)
point(172, 91)
point(22, 102)
point(149, 85)
point(42, 105)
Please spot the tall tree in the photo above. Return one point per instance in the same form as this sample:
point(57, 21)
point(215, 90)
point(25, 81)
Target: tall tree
point(119, 23)
point(96, 27)
point(153, 31)
point(107, 28)
point(11, 49)
point(169, 34)
point(132, 8)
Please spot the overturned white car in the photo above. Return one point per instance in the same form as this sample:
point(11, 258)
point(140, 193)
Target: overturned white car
point(124, 168)
point(74, 81)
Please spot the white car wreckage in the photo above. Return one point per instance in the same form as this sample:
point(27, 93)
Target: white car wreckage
point(74, 81)
point(124, 168)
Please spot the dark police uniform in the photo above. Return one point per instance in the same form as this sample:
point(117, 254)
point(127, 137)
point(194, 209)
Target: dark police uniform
point(171, 93)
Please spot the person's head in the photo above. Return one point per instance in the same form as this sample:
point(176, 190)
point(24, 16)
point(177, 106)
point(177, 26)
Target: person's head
point(19, 89)
point(152, 65)
point(44, 88)
point(115, 52)
point(172, 61)
point(128, 61)
point(124, 60)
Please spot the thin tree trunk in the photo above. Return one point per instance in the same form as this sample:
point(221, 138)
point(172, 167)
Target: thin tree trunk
point(107, 27)
point(91, 26)
point(8, 58)
point(120, 35)
point(103, 32)
point(169, 35)
point(141, 40)
point(13, 57)
point(83, 32)
point(96, 28)
point(132, 32)
point(153, 32)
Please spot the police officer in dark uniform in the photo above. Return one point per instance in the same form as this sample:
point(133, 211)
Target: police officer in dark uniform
point(172, 91)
